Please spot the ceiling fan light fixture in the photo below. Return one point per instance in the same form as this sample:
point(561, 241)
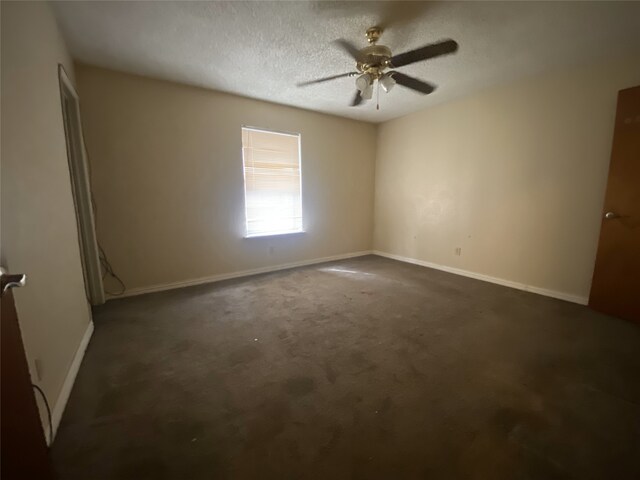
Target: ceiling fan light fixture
point(367, 93)
point(387, 82)
point(363, 82)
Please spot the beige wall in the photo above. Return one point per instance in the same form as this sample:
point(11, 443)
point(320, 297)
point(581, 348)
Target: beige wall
point(515, 176)
point(168, 179)
point(39, 234)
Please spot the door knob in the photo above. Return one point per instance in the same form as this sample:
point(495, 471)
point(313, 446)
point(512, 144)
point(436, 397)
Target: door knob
point(611, 215)
point(9, 280)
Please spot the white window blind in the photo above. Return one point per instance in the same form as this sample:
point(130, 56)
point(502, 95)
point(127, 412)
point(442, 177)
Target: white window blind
point(273, 199)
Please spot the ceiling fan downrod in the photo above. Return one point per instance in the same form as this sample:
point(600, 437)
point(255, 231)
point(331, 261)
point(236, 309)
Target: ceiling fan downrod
point(373, 34)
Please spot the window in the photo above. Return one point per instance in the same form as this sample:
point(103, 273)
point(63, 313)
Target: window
point(272, 192)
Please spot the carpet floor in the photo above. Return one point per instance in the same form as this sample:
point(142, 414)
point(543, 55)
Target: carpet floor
point(365, 368)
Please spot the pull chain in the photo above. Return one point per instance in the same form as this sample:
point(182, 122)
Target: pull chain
point(378, 95)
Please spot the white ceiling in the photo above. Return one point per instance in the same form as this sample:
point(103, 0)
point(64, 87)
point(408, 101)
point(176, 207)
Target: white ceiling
point(262, 49)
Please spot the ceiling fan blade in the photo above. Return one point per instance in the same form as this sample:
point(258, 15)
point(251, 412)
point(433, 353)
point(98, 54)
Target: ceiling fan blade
point(428, 51)
point(357, 99)
point(413, 83)
point(326, 79)
point(399, 14)
point(348, 47)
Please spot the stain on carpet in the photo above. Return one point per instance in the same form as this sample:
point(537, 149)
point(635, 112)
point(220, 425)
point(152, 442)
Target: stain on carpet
point(299, 386)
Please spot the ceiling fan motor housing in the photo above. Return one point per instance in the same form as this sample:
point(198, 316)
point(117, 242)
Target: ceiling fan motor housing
point(373, 60)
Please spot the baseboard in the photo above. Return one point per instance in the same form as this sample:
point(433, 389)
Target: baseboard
point(238, 274)
point(63, 396)
point(479, 276)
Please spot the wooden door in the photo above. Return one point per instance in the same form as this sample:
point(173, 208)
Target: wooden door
point(616, 279)
point(22, 442)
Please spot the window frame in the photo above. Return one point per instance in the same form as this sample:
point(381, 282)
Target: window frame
point(298, 135)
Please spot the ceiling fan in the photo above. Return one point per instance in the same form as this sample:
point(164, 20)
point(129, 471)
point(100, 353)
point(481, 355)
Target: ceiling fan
point(373, 61)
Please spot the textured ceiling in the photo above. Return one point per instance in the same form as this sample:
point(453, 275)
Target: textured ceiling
point(262, 49)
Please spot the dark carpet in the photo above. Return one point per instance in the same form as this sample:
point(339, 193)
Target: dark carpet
point(360, 369)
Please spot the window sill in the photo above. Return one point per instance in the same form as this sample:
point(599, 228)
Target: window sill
point(276, 234)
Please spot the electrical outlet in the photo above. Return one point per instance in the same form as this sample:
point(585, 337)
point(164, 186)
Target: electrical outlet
point(37, 366)
point(458, 251)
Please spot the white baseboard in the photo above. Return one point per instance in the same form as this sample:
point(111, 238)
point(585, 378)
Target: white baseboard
point(479, 276)
point(63, 396)
point(241, 273)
